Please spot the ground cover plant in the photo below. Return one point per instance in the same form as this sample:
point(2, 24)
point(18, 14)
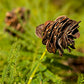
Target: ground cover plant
point(20, 55)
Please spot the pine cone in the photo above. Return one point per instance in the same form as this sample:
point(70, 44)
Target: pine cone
point(58, 34)
point(13, 19)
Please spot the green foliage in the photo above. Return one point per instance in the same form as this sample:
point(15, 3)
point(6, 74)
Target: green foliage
point(80, 79)
point(20, 56)
point(10, 71)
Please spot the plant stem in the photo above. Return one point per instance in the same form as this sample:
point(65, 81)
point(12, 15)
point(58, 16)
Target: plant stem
point(33, 73)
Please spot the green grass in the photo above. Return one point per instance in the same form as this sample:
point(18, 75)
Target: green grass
point(19, 56)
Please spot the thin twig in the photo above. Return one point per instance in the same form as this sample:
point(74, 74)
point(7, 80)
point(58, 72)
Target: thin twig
point(33, 73)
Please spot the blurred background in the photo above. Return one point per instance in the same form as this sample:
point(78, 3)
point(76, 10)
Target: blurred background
point(21, 49)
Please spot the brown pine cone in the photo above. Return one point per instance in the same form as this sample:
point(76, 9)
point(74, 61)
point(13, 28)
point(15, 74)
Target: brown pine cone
point(58, 34)
point(13, 19)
